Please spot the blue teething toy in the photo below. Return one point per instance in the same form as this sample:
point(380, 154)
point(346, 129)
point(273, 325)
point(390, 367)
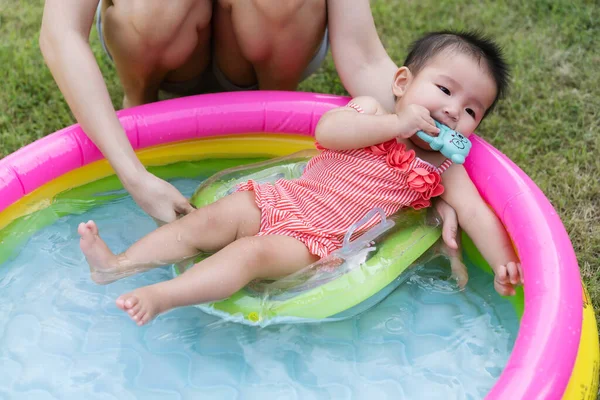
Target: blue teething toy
point(449, 142)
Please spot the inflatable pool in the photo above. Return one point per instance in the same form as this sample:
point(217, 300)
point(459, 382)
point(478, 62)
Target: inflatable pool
point(556, 350)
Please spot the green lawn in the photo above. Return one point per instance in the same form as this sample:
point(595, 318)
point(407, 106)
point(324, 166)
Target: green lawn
point(549, 124)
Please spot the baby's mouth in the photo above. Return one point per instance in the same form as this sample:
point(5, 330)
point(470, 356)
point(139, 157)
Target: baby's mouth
point(450, 124)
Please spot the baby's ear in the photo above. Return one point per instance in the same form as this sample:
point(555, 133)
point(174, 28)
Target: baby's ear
point(402, 78)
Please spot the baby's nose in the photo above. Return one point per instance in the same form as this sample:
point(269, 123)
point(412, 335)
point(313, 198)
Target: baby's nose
point(452, 113)
point(449, 120)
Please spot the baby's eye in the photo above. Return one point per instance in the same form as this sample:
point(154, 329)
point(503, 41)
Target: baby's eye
point(470, 112)
point(444, 89)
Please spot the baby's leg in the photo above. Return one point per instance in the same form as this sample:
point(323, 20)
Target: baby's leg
point(205, 230)
point(219, 276)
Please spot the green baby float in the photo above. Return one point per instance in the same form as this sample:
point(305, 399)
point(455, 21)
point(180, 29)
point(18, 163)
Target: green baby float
point(347, 282)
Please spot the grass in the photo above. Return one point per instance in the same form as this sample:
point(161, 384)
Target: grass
point(549, 124)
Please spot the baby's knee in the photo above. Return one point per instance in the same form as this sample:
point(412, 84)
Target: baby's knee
point(153, 24)
point(205, 219)
point(255, 253)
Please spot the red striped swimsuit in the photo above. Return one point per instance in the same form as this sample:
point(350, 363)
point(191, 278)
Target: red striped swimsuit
point(338, 188)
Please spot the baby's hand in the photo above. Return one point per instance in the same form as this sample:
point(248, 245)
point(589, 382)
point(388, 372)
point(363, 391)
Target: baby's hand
point(415, 118)
point(507, 277)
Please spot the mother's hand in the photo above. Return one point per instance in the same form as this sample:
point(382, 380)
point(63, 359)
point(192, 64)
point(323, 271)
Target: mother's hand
point(158, 198)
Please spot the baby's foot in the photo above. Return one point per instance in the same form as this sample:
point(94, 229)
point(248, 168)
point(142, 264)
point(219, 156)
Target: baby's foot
point(142, 304)
point(103, 263)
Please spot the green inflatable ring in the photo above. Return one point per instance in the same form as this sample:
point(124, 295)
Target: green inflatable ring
point(397, 249)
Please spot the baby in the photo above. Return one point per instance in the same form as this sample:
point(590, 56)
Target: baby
point(369, 158)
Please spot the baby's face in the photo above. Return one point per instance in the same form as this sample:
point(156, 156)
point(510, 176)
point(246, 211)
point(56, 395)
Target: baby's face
point(455, 89)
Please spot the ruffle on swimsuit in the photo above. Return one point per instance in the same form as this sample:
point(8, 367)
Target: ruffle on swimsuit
point(421, 180)
point(425, 181)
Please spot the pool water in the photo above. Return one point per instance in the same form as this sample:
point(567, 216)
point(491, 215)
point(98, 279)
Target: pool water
point(62, 337)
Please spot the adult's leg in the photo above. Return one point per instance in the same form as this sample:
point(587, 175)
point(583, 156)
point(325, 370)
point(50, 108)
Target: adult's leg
point(152, 41)
point(269, 42)
point(219, 276)
point(207, 229)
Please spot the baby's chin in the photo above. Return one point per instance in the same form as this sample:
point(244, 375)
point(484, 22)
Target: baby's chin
point(420, 143)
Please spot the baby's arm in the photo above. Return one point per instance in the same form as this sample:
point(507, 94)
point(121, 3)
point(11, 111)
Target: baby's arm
point(345, 128)
point(486, 230)
point(365, 123)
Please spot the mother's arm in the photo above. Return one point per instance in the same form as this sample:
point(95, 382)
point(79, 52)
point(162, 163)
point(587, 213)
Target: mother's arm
point(65, 46)
point(362, 63)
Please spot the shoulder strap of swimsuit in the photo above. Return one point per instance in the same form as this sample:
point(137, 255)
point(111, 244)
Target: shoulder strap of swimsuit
point(351, 105)
point(445, 165)
point(355, 106)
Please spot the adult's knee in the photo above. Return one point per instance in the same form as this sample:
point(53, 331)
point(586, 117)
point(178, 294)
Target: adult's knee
point(152, 24)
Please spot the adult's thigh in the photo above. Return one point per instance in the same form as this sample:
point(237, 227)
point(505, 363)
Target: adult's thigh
point(267, 41)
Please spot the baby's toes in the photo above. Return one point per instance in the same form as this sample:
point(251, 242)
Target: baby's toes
point(82, 229)
point(144, 318)
point(91, 225)
point(120, 302)
point(131, 302)
point(126, 301)
point(134, 310)
point(136, 317)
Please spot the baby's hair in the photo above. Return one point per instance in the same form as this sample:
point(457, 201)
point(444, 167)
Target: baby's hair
point(471, 43)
